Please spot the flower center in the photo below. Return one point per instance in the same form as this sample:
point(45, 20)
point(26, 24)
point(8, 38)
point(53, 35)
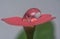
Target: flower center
point(33, 17)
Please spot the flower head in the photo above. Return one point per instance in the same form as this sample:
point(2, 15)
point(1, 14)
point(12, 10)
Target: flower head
point(32, 17)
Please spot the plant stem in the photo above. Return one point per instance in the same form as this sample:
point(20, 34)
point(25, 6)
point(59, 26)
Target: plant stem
point(29, 32)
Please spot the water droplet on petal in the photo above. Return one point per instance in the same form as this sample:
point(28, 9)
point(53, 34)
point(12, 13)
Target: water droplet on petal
point(37, 15)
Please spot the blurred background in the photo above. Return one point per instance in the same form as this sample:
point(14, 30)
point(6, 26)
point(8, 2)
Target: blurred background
point(9, 8)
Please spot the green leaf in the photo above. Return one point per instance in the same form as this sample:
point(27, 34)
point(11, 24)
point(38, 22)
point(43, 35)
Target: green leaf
point(42, 31)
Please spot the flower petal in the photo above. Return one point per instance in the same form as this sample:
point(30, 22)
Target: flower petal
point(43, 19)
point(13, 20)
point(19, 21)
point(16, 21)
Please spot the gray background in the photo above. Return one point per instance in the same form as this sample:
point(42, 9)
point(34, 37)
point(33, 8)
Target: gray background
point(9, 8)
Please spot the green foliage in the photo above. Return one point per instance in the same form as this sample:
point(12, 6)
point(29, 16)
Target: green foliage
point(42, 31)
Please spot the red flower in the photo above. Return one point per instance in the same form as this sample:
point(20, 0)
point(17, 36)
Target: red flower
point(32, 17)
